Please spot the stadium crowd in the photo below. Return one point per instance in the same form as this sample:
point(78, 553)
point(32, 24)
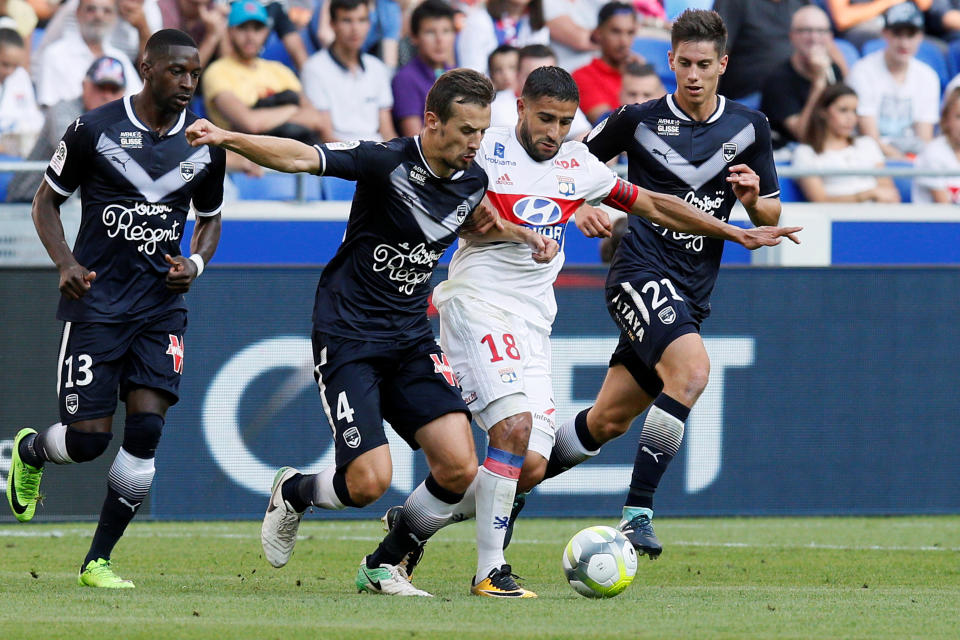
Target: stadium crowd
point(844, 83)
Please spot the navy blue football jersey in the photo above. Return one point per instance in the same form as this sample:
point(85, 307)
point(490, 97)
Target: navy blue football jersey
point(671, 153)
point(402, 219)
point(135, 191)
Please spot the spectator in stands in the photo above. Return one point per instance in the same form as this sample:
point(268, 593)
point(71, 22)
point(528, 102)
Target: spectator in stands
point(104, 81)
point(830, 144)
point(943, 19)
point(137, 20)
point(204, 20)
point(861, 20)
point(433, 34)
point(571, 24)
point(502, 67)
point(758, 41)
point(503, 110)
point(792, 90)
point(386, 21)
point(599, 82)
point(23, 18)
point(898, 93)
point(244, 92)
point(63, 64)
point(516, 22)
point(20, 118)
point(349, 88)
point(640, 84)
point(942, 153)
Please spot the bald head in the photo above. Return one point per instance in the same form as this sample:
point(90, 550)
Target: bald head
point(810, 31)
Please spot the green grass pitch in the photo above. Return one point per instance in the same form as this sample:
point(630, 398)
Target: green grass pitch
point(718, 578)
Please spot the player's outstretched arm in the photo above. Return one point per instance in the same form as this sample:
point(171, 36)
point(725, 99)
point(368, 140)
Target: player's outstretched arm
point(281, 154)
point(542, 249)
point(675, 214)
point(75, 279)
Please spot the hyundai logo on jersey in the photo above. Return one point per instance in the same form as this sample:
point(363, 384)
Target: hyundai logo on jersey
point(537, 210)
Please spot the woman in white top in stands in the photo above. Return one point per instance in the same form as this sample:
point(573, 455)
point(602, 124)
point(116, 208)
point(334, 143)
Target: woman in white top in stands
point(830, 144)
point(942, 152)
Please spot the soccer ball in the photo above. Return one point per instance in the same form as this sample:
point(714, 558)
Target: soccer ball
point(599, 562)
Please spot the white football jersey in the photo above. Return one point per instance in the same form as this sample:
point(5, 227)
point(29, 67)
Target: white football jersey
point(538, 195)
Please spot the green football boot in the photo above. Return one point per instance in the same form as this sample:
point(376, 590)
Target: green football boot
point(99, 573)
point(23, 482)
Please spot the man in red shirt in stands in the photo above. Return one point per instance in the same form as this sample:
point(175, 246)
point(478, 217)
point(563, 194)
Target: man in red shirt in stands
point(599, 82)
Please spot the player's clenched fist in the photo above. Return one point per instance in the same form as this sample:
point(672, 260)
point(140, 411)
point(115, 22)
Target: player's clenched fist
point(75, 281)
point(202, 132)
point(181, 274)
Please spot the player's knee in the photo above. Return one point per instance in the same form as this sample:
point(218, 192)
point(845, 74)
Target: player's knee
point(532, 472)
point(83, 446)
point(513, 433)
point(605, 425)
point(366, 484)
point(141, 435)
point(455, 476)
point(689, 383)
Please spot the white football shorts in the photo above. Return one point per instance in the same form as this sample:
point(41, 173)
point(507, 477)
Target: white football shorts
point(503, 364)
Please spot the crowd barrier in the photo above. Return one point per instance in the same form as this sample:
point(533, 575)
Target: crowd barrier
point(831, 392)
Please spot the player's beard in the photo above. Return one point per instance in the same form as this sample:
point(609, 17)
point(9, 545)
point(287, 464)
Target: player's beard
point(531, 146)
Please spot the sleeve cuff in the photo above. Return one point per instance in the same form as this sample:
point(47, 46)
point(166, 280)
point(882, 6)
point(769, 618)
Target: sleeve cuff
point(772, 195)
point(56, 187)
point(208, 214)
point(323, 160)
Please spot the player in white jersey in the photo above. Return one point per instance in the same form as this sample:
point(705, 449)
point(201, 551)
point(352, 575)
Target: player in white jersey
point(497, 307)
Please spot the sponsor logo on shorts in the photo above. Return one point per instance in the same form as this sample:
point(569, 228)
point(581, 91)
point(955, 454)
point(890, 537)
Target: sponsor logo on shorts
point(507, 376)
point(442, 366)
point(667, 315)
point(72, 402)
point(175, 349)
point(352, 437)
point(470, 398)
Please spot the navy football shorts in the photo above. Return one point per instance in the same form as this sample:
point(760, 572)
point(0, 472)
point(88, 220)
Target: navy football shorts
point(651, 315)
point(408, 384)
point(98, 359)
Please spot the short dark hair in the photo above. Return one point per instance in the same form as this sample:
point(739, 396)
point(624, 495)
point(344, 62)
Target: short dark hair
point(430, 9)
point(700, 25)
point(463, 86)
point(537, 51)
point(10, 38)
point(160, 42)
point(499, 51)
point(551, 82)
point(640, 70)
point(611, 9)
point(346, 5)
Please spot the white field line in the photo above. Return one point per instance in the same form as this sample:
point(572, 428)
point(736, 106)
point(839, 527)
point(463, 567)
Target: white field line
point(212, 533)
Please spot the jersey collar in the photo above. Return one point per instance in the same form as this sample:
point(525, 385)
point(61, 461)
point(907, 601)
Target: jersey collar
point(677, 111)
point(174, 130)
point(416, 140)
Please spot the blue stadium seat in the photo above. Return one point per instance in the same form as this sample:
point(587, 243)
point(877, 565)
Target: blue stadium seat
point(903, 184)
point(675, 7)
point(848, 50)
point(338, 188)
point(655, 53)
point(6, 176)
point(751, 100)
point(928, 53)
point(790, 190)
point(270, 186)
point(274, 50)
point(35, 38)
point(953, 58)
